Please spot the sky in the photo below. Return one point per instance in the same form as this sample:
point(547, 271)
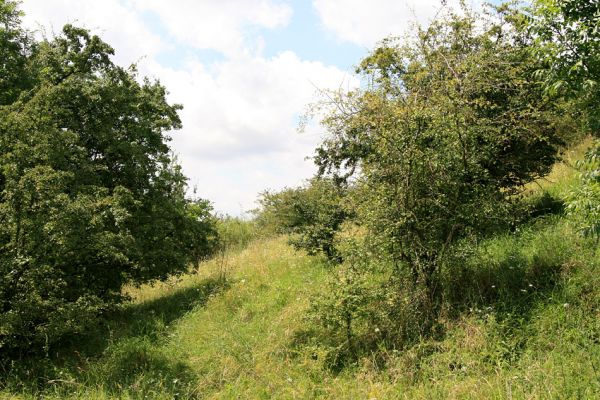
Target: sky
point(244, 71)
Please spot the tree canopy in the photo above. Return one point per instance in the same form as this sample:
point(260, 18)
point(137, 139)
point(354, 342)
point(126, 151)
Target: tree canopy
point(90, 195)
point(447, 130)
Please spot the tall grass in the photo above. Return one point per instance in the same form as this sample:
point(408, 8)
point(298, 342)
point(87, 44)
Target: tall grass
point(200, 337)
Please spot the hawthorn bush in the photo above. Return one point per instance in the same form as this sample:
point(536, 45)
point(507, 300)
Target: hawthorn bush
point(312, 215)
point(90, 197)
point(437, 144)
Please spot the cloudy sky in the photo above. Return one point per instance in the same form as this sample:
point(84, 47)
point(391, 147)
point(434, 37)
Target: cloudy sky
point(244, 70)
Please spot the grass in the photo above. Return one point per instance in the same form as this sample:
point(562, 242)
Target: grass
point(525, 324)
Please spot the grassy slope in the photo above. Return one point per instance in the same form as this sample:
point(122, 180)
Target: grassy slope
point(537, 334)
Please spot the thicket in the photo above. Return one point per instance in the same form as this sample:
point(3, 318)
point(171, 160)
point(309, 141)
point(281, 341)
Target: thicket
point(90, 197)
point(434, 152)
point(568, 47)
point(311, 215)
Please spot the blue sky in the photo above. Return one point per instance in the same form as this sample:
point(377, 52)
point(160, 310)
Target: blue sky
point(311, 40)
point(303, 33)
point(244, 70)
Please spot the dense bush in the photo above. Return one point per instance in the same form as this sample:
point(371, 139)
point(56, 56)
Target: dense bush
point(90, 198)
point(449, 128)
point(584, 202)
point(568, 46)
point(312, 215)
point(442, 137)
point(201, 230)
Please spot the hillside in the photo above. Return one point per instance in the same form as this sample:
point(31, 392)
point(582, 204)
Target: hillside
point(447, 245)
point(236, 329)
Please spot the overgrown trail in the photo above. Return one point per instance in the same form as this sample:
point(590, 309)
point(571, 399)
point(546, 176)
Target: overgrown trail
point(238, 345)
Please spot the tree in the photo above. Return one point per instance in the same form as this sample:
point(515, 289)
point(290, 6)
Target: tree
point(568, 46)
point(15, 46)
point(202, 230)
point(447, 129)
point(312, 215)
point(90, 197)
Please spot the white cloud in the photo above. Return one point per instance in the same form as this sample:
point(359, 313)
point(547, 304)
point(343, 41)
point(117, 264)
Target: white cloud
point(220, 25)
point(246, 105)
point(240, 120)
point(116, 22)
point(366, 22)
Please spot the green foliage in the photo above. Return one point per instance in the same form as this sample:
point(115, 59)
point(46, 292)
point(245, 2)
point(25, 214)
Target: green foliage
point(124, 356)
point(568, 47)
point(568, 44)
point(15, 47)
point(345, 315)
point(584, 201)
point(90, 198)
point(433, 298)
point(365, 309)
point(235, 233)
point(276, 213)
point(201, 229)
point(448, 128)
point(436, 146)
point(192, 338)
point(312, 215)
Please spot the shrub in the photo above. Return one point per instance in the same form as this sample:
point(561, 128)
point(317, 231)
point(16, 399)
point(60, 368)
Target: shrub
point(90, 198)
point(312, 215)
point(436, 144)
point(584, 202)
point(201, 230)
point(448, 128)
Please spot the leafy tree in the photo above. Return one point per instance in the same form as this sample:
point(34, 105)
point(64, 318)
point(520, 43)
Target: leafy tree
point(15, 46)
point(312, 214)
point(90, 197)
point(202, 230)
point(568, 45)
point(447, 129)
